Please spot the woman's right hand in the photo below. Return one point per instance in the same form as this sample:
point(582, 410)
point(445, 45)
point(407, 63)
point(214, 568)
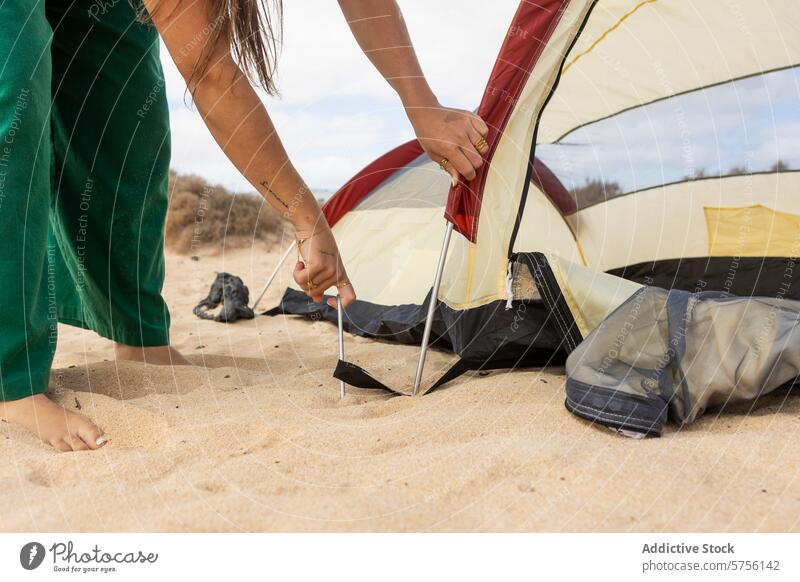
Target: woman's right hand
point(320, 267)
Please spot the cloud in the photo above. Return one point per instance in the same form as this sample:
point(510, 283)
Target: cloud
point(336, 113)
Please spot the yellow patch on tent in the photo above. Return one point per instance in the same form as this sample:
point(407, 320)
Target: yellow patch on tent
point(752, 231)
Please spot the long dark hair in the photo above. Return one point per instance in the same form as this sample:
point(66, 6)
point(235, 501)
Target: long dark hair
point(252, 28)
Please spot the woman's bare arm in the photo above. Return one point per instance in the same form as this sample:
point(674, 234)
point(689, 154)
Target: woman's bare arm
point(444, 133)
point(241, 126)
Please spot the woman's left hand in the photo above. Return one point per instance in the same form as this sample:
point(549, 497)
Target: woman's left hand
point(319, 266)
point(454, 138)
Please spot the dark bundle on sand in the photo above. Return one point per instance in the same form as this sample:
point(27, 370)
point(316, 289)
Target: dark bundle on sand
point(234, 296)
point(202, 215)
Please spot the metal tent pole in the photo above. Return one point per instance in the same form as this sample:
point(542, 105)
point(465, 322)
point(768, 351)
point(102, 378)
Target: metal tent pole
point(274, 274)
point(437, 281)
point(340, 314)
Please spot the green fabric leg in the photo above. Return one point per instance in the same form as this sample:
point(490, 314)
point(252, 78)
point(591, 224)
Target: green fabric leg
point(111, 147)
point(27, 312)
point(84, 138)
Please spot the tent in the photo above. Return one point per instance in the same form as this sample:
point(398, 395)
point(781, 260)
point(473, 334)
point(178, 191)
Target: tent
point(633, 144)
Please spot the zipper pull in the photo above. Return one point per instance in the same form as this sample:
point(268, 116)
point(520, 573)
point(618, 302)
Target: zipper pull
point(509, 285)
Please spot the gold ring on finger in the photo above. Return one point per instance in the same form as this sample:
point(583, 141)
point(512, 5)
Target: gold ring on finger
point(481, 143)
point(444, 163)
point(311, 285)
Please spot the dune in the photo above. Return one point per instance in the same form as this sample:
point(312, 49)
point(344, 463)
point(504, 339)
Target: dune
point(253, 437)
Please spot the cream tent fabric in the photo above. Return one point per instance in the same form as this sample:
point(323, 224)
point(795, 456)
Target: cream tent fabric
point(671, 222)
point(391, 240)
point(634, 52)
point(590, 296)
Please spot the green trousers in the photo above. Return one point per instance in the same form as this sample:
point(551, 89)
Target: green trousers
point(84, 165)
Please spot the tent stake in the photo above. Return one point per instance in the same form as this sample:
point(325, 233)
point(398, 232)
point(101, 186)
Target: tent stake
point(340, 314)
point(437, 281)
point(274, 274)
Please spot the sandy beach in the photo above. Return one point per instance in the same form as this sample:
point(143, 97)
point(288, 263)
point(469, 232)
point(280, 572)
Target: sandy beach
point(255, 438)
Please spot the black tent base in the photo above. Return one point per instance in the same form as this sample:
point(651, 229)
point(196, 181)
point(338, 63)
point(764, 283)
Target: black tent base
point(485, 338)
point(533, 332)
point(358, 377)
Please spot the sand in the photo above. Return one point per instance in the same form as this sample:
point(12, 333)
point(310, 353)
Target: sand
point(254, 438)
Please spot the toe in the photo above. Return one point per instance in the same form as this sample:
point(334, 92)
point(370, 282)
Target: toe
point(76, 444)
point(62, 446)
point(92, 436)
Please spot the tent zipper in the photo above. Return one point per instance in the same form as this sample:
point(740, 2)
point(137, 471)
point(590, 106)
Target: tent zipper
point(510, 285)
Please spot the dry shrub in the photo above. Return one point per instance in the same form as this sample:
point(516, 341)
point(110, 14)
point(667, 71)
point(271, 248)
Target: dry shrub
point(202, 215)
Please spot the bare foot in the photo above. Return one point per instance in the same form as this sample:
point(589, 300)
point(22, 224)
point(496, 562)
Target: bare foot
point(158, 355)
point(63, 429)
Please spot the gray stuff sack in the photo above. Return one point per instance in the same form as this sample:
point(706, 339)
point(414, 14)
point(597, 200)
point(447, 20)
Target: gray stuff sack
point(673, 354)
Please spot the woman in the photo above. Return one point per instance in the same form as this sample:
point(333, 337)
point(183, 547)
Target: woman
point(84, 162)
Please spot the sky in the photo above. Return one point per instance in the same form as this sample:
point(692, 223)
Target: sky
point(336, 113)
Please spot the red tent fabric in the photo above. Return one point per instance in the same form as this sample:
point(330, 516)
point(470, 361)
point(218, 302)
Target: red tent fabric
point(360, 185)
point(530, 30)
